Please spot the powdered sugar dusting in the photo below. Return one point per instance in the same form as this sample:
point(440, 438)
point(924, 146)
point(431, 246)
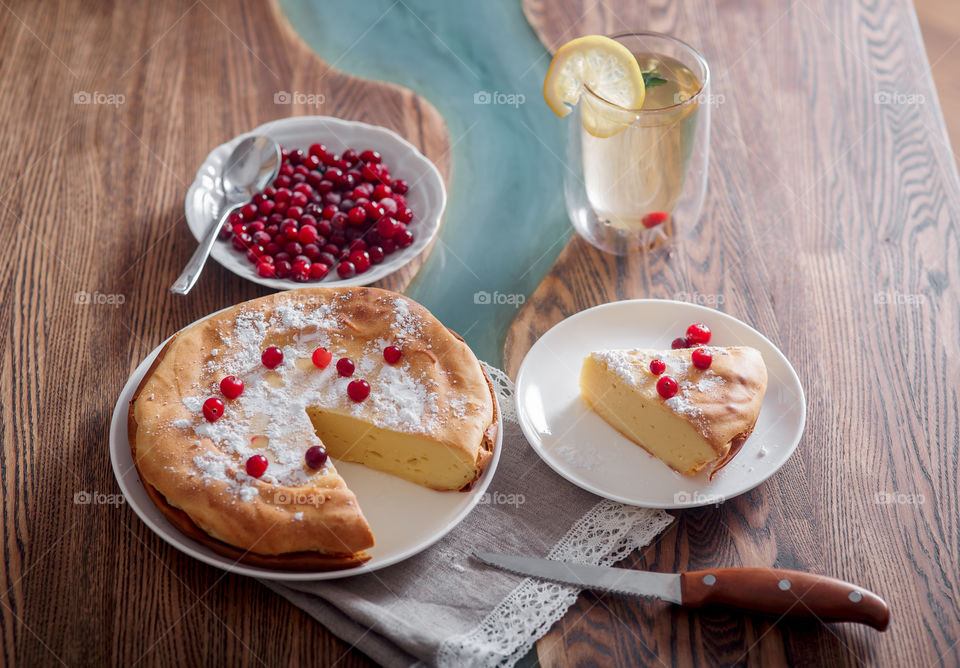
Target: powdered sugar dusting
point(270, 417)
point(633, 366)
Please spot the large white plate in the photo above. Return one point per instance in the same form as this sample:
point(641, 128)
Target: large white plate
point(579, 445)
point(427, 197)
point(405, 518)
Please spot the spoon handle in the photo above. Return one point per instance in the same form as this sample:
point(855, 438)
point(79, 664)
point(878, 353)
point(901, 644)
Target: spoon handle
point(190, 274)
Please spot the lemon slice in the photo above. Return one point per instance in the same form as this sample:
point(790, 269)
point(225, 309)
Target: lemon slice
point(608, 69)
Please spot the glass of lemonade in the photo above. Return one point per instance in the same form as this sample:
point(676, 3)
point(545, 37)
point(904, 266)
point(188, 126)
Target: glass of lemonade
point(628, 188)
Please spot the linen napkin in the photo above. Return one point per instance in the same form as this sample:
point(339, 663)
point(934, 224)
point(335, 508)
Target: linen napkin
point(443, 607)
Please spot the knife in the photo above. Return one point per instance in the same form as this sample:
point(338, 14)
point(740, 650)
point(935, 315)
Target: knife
point(791, 594)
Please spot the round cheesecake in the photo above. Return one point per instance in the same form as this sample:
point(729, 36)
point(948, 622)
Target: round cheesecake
point(427, 415)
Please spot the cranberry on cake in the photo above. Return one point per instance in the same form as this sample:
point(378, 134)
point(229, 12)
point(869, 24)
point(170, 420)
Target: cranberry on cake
point(235, 427)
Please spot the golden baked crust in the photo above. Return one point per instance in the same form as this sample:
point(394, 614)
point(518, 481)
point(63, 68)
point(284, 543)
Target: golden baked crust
point(294, 517)
point(722, 403)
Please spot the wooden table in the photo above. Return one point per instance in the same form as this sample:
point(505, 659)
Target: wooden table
point(830, 225)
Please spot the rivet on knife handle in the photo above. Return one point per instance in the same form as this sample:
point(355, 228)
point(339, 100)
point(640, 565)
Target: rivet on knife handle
point(793, 594)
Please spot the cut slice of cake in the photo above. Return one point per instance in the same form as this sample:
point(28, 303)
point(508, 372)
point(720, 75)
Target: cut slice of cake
point(691, 408)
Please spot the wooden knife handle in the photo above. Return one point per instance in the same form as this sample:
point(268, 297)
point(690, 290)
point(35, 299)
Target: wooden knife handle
point(792, 594)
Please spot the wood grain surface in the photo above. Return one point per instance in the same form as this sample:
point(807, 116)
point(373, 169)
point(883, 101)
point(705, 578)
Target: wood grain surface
point(831, 226)
point(92, 201)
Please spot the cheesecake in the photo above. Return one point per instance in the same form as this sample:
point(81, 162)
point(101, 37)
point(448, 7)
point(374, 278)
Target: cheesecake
point(690, 408)
point(236, 427)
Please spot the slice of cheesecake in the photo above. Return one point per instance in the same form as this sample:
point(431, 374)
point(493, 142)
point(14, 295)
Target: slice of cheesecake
point(702, 420)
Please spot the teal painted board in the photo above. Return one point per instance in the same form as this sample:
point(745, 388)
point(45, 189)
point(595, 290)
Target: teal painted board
point(482, 67)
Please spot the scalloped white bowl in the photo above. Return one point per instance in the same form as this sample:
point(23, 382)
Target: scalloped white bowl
point(427, 197)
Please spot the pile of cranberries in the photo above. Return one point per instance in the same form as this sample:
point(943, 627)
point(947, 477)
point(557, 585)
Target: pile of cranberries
point(323, 212)
point(698, 334)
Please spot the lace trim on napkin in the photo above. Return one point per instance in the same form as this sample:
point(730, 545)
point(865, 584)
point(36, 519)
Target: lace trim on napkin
point(607, 533)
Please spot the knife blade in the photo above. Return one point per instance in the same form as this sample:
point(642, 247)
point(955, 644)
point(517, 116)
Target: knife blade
point(771, 591)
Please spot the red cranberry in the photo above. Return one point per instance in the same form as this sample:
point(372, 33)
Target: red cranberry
point(679, 342)
point(254, 253)
point(249, 211)
point(404, 238)
point(657, 367)
point(392, 354)
point(360, 260)
point(346, 269)
point(399, 186)
point(376, 254)
point(350, 156)
point(298, 199)
point(667, 387)
point(370, 172)
point(324, 186)
point(242, 241)
point(370, 156)
point(332, 198)
point(311, 251)
point(280, 182)
point(404, 215)
point(381, 191)
point(212, 409)
point(388, 246)
point(266, 269)
point(262, 238)
point(326, 258)
point(701, 358)
point(271, 357)
point(319, 270)
point(321, 358)
point(357, 216)
point(345, 367)
point(358, 245)
point(225, 232)
point(318, 150)
point(234, 218)
point(231, 386)
point(387, 227)
point(300, 271)
point(257, 466)
point(374, 211)
point(294, 211)
point(283, 268)
point(293, 247)
point(348, 180)
point(315, 457)
point(328, 211)
point(389, 206)
point(282, 195)
point(307, 234)
point(296, 156)
point(266, 208)
point(311, 162)
point(324, 228)
point(358, 390)
point(653, 219)
point(698, 334)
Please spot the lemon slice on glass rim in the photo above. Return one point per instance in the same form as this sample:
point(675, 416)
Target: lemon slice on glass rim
point(609, 70)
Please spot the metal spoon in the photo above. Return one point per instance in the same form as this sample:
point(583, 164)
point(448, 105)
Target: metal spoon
point(251, 167)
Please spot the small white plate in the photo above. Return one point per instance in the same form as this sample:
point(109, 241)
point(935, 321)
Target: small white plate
point(427, 197)
point(580, 445)
point(405, 518)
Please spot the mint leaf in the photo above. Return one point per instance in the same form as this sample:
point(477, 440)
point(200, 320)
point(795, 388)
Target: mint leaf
point(652, 79)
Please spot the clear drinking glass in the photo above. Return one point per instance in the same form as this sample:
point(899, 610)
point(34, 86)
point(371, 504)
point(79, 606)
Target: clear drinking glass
point(626, 191)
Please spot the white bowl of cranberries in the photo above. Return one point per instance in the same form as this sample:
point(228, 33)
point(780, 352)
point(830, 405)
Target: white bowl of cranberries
point(352, 203)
